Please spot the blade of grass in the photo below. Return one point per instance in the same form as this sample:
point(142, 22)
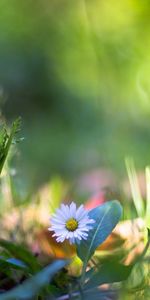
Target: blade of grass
point(137, 198)
point(147, 217)
point(31, 286)
point(8, 142)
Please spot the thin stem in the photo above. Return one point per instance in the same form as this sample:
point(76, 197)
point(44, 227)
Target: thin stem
point(83, 273)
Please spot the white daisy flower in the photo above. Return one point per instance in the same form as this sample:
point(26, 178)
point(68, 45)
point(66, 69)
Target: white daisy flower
point(70, 223)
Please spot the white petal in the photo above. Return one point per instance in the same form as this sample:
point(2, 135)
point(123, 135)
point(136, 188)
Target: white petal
point(84, 234)
point(79, 210)
point(65, 211)
point(57, 220)
point(91, 221)
point(84, 237)
point(85, 228)
point(72, 240)
point(81, 213)
point(80, 233)
point(50, 229)
point(60, 234)
point(60, 239)
point(61, 231)
point(55, 227)
point(75, 234)
point(70, 234)
point(73, 209)
point(56, 223)
point(60, 214)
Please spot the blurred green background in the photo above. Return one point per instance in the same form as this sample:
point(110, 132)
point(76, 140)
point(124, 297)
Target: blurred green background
point(78, 73)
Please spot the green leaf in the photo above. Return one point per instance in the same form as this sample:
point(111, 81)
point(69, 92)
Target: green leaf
point(21, 253)
point(30, 287)
point(3, 139)
point(6, 140)
point(109, 272)
point(138, 276)
point(106, 217)
point(12, 262)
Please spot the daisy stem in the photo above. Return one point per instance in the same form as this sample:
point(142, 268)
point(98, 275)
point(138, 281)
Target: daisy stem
point(83, 272)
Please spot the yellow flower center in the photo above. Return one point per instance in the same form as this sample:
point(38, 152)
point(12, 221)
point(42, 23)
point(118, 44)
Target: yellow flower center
point(71, 224)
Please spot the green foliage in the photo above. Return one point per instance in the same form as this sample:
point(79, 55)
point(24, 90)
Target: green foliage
point(102, 69)
point(106, 217)
point(108, 272)
point(138, 276)
point(3, 139)
point(29, 288)
point(7, 139)
point(25, 275)
point(20, 252)
point(12, 262)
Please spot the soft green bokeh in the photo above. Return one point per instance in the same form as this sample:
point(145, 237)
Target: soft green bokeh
point(78, 74)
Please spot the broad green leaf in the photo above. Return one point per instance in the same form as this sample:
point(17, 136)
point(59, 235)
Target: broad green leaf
point(106, 217)
point(30, 287)
point(21, 253)
point(109, 272)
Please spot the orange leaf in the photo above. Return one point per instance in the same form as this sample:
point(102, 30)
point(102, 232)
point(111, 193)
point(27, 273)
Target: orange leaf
point(49, 246)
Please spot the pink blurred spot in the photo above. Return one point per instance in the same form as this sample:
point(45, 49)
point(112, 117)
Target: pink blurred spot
point(94, 201)
point(96, 181)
